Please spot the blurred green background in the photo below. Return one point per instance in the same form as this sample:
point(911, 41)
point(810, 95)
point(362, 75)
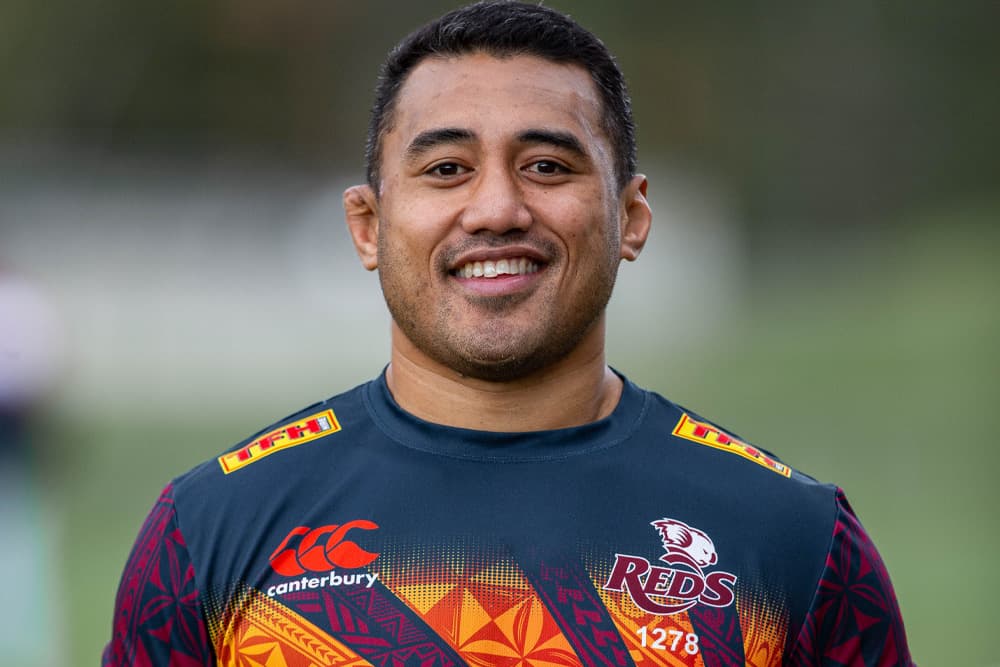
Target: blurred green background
point(821, 277)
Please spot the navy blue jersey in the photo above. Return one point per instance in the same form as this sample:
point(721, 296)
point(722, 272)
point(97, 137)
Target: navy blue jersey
point(352, 533)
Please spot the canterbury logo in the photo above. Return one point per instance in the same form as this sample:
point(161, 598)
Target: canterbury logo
point(321, 549)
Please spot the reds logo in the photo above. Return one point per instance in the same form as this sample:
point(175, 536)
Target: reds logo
point(671, 590)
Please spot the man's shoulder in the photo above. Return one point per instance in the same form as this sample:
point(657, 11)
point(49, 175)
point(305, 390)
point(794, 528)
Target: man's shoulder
point(714, 450)
point(743, 495)
point(279, 444)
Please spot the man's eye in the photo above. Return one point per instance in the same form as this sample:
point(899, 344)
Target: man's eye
point(446, 169)
point(547, 168)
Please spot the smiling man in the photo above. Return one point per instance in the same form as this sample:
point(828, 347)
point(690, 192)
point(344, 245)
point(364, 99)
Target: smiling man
point(499, 495)
point(497, 220)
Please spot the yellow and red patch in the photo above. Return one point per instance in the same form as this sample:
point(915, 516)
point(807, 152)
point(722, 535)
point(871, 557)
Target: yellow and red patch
point(292, 434)
point(707, 434)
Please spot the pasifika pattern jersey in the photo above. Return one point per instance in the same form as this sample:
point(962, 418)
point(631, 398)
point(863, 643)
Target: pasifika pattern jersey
point(353, 533)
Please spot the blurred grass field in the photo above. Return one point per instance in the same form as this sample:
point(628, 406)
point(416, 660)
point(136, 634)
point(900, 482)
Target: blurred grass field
point(882, 376)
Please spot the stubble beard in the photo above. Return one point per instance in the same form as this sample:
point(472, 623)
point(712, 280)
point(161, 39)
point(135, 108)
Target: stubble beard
point(496, 351)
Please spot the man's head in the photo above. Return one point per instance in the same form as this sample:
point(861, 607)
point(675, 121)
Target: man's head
point(500, 216)
point(502, 29)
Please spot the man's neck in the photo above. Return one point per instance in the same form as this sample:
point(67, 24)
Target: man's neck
point(579, 391)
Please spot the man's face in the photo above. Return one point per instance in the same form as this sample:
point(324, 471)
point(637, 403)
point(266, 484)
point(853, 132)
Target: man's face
point(498, 218)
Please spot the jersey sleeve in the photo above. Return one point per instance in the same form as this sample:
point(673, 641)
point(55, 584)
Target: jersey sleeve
point(158, 618)
point(854, 618)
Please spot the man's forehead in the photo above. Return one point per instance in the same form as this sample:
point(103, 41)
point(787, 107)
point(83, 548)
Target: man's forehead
point(456, 91)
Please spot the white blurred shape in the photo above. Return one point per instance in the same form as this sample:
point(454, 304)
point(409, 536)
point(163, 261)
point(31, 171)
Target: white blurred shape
point(30, 343)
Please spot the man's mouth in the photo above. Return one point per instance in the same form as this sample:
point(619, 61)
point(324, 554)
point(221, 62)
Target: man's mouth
point(515, 266)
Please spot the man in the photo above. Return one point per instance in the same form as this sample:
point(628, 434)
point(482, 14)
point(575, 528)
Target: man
point(500, 495)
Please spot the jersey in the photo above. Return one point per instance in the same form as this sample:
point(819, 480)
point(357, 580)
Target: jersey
point(353, 533)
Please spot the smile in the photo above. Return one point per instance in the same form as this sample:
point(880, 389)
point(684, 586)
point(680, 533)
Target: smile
point(503, 267)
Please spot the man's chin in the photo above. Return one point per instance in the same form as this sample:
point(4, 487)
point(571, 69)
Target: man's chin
point(501, 363)
point(506, 370)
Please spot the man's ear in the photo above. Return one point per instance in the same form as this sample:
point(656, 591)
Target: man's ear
point(636, 218)
point(361, 211)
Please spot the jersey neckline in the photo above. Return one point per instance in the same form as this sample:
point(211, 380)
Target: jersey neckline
point(499, 447)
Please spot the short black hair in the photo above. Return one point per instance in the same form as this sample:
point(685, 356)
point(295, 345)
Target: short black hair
point(504, 28)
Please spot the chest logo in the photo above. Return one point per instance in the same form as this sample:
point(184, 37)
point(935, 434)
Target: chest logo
point(306, 552)
point(321, 549)
point(682, 582)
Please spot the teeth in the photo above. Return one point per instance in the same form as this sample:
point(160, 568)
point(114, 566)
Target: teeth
point(503, 267)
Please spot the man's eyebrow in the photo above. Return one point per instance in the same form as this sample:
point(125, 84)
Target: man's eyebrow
point(563, 140)
point(428, 139)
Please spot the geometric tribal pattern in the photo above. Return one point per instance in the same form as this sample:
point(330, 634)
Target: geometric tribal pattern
point(484, 608)
point(158, 618)
point(855, 618)
point(722, 638)
point(465, 607)
point(565, 588)
point(257, 631)
point(375, 625)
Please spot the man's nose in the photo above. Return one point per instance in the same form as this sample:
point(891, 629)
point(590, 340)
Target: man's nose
point(496, 203)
